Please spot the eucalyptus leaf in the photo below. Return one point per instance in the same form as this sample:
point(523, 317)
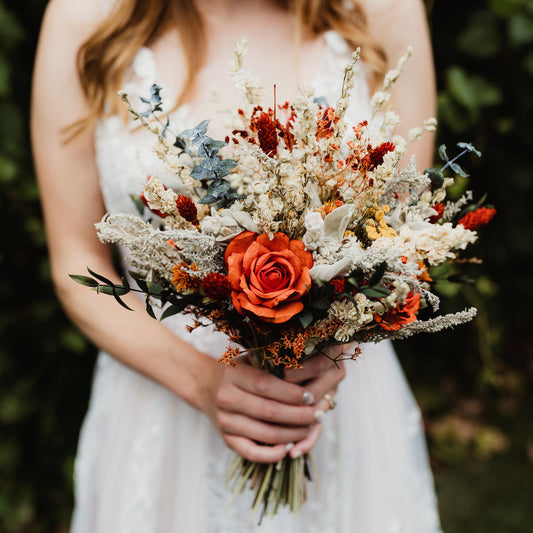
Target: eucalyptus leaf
point(149, 308)
point(112, 290)
point(470, 147)
point(375, 292)
point(154, 288)
point(208, 199)
point(100, 277)
point(224, 167)
point(442, 152)
point(305, 318)
point(457, 169)
point(198, 131)
point(171, 310)
point(84, 280)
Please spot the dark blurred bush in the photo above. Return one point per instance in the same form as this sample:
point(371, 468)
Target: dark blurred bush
point(45, 364)
point(484, 59)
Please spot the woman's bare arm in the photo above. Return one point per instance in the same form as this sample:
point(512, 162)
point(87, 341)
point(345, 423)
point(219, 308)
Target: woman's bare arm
point(245, 404)
point(398, 24)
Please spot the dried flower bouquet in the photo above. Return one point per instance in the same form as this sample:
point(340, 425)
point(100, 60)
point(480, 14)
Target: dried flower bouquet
point(298, 232)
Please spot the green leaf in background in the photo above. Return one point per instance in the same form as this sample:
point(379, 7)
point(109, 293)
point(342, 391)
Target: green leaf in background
point(5, 77)
point(520, 30)
point(11, 32)
point(505, 8)
point(527, 64)
point(481, 36)
point(471, 91)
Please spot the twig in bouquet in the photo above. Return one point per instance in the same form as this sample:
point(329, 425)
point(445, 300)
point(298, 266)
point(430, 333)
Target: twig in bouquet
point(343, 356)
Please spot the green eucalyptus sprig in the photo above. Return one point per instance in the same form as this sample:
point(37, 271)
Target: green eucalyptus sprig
point(152, 290)
point(212, 168)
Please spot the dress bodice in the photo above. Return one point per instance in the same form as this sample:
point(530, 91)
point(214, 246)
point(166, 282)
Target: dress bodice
point(124, 152)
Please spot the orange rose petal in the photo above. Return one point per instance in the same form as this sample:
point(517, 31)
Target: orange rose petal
point(304, 282)
point(250, 294)
point(236, 302)
point(240, 243)
point(234, 266)
point(254, 251)
point(286, 312)
point(277, 244)
point(277, 316)
point(298, 249)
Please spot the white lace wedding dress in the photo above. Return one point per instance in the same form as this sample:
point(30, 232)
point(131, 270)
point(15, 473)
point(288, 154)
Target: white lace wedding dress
point(149, 463)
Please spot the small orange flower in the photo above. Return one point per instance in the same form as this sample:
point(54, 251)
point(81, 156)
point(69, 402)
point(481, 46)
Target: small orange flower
point(474, 219)
point(182, 280)
point(424, 276)
point(400, 315)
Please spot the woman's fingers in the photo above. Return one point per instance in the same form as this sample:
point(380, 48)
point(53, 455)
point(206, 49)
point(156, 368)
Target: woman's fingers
point(254, 452)
point(244, 426)
point(327, 381)
point(306, 445)
point(325, 404)
point(237, 400)
point(261, 383)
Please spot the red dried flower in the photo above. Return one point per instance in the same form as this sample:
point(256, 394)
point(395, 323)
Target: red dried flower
point(187, 209)
point(267, 133)
point(375, 156)
point(339, 284)
point(325, 125)
point(216, 286)
point(439, 207)
point(474, 219)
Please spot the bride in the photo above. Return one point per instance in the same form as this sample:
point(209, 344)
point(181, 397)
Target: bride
point(165, 417)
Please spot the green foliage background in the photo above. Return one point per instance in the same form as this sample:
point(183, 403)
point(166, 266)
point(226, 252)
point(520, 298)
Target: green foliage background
point(472, 384)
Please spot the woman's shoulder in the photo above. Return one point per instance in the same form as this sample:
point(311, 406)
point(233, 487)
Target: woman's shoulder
point(374, 8)
point(77, 13)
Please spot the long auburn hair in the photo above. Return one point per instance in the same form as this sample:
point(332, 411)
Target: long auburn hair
point(105, 56)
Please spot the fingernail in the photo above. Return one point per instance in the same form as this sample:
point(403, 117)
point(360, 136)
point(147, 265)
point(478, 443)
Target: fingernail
point(308, 398)
point(289, 446)
point(296, 454)
point(319, 416)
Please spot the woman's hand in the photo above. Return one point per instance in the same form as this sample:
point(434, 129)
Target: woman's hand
point(320, 376)
point(248, 406)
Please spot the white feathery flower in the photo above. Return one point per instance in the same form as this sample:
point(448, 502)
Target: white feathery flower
point(436, 243)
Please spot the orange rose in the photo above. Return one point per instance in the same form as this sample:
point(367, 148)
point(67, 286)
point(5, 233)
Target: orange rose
point(402, 314)
point(268, 277)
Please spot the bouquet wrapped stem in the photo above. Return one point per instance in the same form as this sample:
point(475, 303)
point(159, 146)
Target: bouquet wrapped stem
point(274, 484)
point(283, 483)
